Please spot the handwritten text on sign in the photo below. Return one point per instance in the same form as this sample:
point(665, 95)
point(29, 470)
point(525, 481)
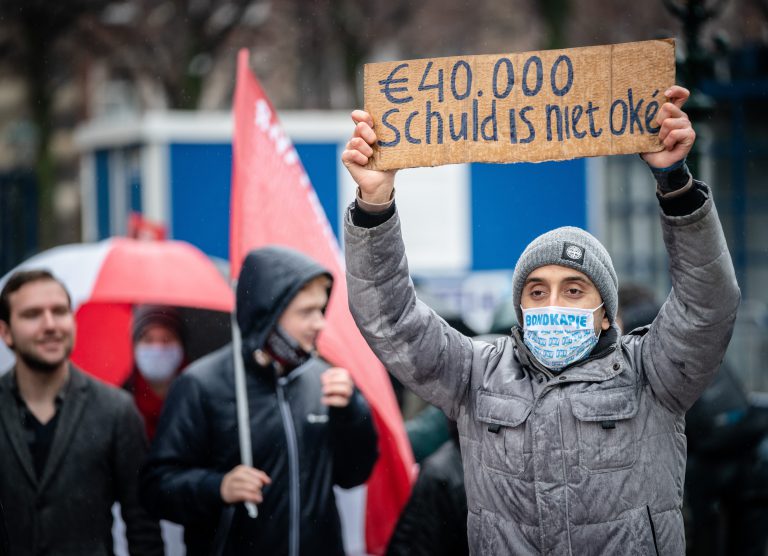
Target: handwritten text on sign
point(531, 106)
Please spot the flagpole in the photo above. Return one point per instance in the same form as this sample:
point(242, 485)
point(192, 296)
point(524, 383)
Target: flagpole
point(241, 394)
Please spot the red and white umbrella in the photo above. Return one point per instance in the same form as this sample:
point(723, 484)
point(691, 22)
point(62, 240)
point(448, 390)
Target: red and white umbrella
point(107, 278)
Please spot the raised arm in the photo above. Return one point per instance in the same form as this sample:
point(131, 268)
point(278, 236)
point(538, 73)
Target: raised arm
point(413, 342)
point(376, 187)
point(687, 342)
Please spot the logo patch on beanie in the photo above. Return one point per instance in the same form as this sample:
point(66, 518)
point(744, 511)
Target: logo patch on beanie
point(573, 253)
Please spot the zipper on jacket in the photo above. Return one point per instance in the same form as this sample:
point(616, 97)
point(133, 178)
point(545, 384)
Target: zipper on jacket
point(653, 530)
point(293, 469)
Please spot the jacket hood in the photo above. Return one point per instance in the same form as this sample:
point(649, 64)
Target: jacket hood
point(269, 280)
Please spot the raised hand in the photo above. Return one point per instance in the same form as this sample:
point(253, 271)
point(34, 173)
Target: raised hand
point(676, 133)
point(375, 185)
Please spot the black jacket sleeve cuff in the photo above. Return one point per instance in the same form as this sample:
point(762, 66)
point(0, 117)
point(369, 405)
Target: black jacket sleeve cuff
point(687, 203)
point(671, 179)
point(364, 219)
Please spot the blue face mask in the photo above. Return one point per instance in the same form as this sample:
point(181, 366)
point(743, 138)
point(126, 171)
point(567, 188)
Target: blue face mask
point(559, 336)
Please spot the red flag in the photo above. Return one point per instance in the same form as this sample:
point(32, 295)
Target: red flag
point(273, 203)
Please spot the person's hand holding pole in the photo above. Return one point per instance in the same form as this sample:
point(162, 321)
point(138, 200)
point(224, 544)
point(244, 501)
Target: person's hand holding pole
point(375, 185)
point(244, 484)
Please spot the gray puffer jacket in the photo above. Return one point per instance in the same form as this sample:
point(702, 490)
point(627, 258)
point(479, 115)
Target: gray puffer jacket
point(590, 461)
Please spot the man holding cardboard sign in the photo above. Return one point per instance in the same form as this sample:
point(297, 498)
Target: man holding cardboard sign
point(572, 436)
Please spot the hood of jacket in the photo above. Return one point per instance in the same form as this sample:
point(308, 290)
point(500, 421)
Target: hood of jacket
point(269, 280)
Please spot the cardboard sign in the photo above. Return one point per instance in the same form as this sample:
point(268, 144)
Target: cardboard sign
point(530, 106)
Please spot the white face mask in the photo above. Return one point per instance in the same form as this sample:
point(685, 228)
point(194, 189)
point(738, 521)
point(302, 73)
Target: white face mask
point(559, 336)
point(158, 363)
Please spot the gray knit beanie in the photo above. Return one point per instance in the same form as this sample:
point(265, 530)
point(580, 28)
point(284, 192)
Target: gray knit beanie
point(574, 248)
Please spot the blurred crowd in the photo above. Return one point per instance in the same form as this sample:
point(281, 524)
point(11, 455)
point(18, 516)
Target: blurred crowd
point(54, 506)
point(75, 450)
point(244, 448)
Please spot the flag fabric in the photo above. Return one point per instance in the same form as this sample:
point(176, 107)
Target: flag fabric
point(273, 203)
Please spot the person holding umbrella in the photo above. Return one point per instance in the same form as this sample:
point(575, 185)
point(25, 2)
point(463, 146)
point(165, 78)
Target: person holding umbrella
point(310, 427)
point(159, 355)
point(70, 446)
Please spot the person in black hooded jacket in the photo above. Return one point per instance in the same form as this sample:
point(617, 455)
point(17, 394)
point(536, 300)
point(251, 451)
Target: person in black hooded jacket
point(310, 428)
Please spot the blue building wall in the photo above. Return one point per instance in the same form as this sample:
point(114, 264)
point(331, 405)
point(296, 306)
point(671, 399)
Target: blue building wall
point(200, 180)
point(320, 162)
point(200, 190)
point(514, 203)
